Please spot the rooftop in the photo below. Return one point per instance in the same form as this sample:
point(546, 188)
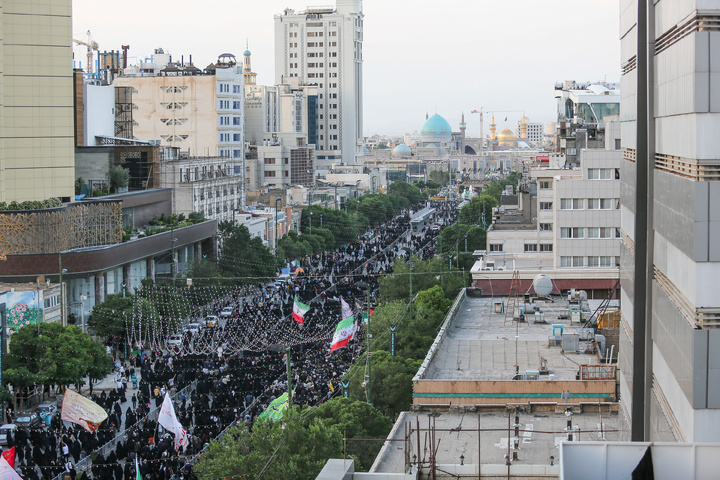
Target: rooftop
point(480, 344)
point(456, 434)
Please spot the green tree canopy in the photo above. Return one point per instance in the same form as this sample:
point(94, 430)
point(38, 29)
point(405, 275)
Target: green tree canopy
point(58, 356)
point(295, 448)
point(243, 258)
point(472, 213)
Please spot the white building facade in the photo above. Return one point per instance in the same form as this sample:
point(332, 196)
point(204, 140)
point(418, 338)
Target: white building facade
point(323, 46)
point(680, 160)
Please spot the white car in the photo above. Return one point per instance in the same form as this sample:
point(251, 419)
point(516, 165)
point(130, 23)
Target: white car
point(175, 340)
point(226, 312)
point(193, 328)
point(211, 321)
point(8, 427)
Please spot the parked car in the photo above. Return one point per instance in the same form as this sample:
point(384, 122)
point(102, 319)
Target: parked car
point(175, 340)
point(193, 328)
point(211, 321)
point(28, 420)
point(4, 429)
point(46, 411)
point(226, 312)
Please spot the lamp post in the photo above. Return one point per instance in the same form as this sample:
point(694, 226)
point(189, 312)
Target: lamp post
point(311, 214)
point(62, 297)
point(276, 220)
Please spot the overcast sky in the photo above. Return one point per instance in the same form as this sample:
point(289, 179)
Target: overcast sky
point(420, 56)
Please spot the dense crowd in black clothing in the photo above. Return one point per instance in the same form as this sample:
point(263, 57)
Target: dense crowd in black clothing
point(236, 367)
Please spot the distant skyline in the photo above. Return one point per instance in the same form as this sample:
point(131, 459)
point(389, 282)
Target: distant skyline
point(419, 57)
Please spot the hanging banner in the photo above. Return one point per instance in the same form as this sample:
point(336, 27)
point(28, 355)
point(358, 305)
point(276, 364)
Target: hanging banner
point(346, 389)
point(392, 340)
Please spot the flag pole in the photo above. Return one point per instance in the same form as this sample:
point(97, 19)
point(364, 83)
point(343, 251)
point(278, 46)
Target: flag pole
point(289, 377)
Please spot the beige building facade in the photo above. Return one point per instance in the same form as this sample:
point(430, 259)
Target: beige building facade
point(36, 100)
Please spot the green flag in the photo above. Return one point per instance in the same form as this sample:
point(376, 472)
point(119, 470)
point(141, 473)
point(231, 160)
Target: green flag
point(275, 410)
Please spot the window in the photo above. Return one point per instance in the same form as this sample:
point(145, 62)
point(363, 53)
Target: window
point(571, 204)
point(225, 104)
point(496, 247)
point(237, 105)
point(546, 247)
point(571, 261)
point(269, 161)
point(224, 87)
point(270, 174)
point(546, 227)
point(237, 88)
point(236, 121)
point(236, 137)
point(593, 204)
point(572, 232)
point(545, 184)
point(601, 174)
point(601, 261)
point(546, 205)
point(593, 232)
point(531, 247)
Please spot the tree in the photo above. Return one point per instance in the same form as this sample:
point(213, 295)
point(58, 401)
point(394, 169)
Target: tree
point(355, 420)
point(472, 213)
point(297, 447)
point(455, 238)
point(244, 259)
point(119, 178)
point(425, 274)
point(405, 190)
point(439, 176)
point(203, 272)
point(50, 353)
point(391, 382)
point(121, 318)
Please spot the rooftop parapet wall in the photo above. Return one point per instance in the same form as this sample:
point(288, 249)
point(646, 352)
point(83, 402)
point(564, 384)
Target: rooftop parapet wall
point(78, 225)
point(464, 392)
point(441, 334)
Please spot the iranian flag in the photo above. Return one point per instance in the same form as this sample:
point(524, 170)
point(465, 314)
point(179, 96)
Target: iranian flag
point(343, 333)
point(299, 310)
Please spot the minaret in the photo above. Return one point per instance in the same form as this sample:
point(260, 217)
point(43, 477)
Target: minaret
point(463, 126)
point(248, 75)
point(523, 128)
point(492, 128)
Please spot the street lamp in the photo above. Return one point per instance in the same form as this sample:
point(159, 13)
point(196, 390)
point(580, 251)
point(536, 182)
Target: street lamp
point(276, 220)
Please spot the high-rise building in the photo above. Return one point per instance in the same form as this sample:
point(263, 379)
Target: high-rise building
point(323, 46)
point(36, 101)
point(670, 202)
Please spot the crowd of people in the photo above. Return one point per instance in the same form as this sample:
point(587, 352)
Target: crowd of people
point(231, 371)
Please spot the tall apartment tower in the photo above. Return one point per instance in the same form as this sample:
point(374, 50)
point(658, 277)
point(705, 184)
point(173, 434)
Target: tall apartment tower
point(670, 216)
point(323, 46)
point(36, 101)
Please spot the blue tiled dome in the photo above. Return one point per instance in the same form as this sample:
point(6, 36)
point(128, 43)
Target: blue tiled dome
point(436, 125)
point(402, 149)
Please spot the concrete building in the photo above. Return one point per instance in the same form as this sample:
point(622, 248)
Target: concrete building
point(670, 204)
point(581, 112)
point(563, 222)
point(534, 132)
point(200, 112)
point(209, 185)
point(323, 46)
point(36, 101)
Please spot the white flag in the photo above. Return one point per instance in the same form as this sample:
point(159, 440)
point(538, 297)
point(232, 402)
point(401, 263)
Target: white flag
point(167, 419)
point(345, 309)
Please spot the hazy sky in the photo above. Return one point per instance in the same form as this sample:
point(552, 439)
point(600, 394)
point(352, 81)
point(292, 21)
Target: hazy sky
point(420, 56)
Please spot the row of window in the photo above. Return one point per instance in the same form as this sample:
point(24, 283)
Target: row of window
point(210, 193)
point(225, 88)
point(528, 247)
point(590, 261)
point(579, 204)
point(227, 120)
point(225, 104)
point(230, 137)
point(592, 232)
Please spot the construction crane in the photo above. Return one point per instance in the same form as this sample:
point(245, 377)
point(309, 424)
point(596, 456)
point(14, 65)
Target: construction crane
point(91, 45)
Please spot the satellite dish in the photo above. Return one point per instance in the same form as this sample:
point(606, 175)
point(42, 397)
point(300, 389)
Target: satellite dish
point(543, 285)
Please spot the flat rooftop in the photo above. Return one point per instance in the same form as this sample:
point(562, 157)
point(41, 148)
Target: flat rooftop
point(535, 448)
point(481, 345)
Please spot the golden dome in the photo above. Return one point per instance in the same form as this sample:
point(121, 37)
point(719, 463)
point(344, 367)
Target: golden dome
point(507, 138)
point(506, 134)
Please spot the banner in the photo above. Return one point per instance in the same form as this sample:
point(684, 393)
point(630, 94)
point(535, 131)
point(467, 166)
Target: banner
point(78, 409)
